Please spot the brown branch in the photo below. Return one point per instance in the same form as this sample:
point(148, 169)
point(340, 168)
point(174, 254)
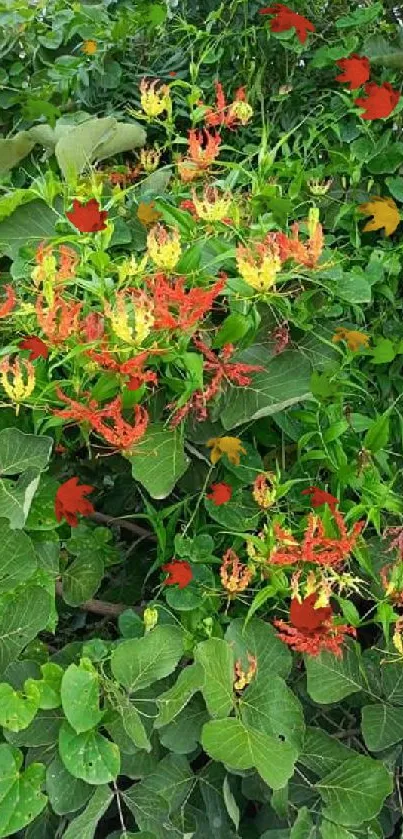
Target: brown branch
point(100, 607)
point(101, 518)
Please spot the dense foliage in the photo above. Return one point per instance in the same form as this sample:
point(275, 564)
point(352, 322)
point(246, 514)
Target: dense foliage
point(201, 516)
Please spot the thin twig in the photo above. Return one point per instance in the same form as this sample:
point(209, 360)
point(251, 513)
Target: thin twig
point(101, 518)
point(100, 607)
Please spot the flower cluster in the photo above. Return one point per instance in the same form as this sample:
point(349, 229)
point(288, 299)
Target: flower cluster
point(312, 629)
point(316, 547)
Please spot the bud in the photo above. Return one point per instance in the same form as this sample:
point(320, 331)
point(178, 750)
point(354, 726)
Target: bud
point(241, 111)
point(317, 187)
point(150, 618)
point(243, 679)
point(150, 159)
point(164, 248)
point(313, 221)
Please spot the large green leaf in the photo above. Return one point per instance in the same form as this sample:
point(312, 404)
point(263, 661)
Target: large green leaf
point(159, 460)
point(260, 640)
point(17, 708)
point(22, 616)
point(217, 660)
point(330, 678)
point(382, 726)
point(284, 381)
point(43, 731)
point(28, 225)
point(89, 755)
point(241, 747)
point(77, 148)
point(127, 136)
point(21, 799)
point(355, 791)
point(66, 794)
point(85, 825)
point(80, 696)
point(14, 149)
point(174, 700)
point(14, 199)
point(82, 578)
point(139, 662)
point(159, 796)
point(322, 753)
point(18, 557)
point(269, 706)
point(22, 458)
point(182, 735)
point(303, 827)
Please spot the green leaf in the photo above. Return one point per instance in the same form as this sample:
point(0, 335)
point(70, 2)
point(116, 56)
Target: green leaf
point(85, 825)
point(82, 578)
point(183, 734)
point(171, 703)
point(10, 202)
point(48, 686)
point(14, 149)
point(22, 616)
point(159, 460)
point(354, 792)
point(382, 726)
point(28, 225)
point(239, 747)
point(284, 381)
point(132, 723)
point(330, 679)
point(159, 796)
point(236, 514)
point(19, 561)
point(25, 456)
point(303, 827)
point(66, 794)
point(80, 696)
point(269, 706)
point(354, 288)
point(21, 799)
point(377, 435)
point(395, 185)
point(383, 352)
point(230, 803)
point(260, 640)
point(334, 831)
point(360, 17)
point(43, 731)
point(18, 709)
point(139, 662)
point(232, 329)
point(127, 136)
point(216, 658)
point(89, 755)
point(77, 147)
point(322, 753)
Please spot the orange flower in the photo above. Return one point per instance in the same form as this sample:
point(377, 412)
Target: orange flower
point(243, 679)
point(236, 113)
point(264, 493)
point(108, 421)
point(235, 577)
point(59, 321)
point(202, 151)
point(355, 340)
point(312, 629)
point(9, 302)
point(307, 253)
point(89, 47)
point(178, 308)
point(316, 547)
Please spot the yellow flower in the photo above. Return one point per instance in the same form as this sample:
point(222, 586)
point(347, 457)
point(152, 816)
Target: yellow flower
point(241, 110)
point(89, 47)
point(264, 490)
point(243, 679)
point(131, 268)
point(231, 446)
point(355, 340)
point(135, 326)
point(398, 637)
point(45, 270)
point(154, 102)
point(149, 159)
point(259, 267)
point(147, 214)
point(212, 206)
point(164, 248)
point(17, 378)
point(317, 187)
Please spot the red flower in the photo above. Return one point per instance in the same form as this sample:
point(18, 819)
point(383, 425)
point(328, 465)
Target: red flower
point(36, 346)
point(179, 572)
point(93, 326)
point(108, 421)
point(379, 102)
point(220, 494)
point(225, 114)
point(316, 547)
point(356, 70)
point(178, 308)
point(87, 218)
point(319, 497)
point(9, 302)
point(70, 500)
point(312, 630)
point(132, 368)
point(286, 19)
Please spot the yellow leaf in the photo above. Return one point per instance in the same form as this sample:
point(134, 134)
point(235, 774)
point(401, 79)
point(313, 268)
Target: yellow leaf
point(385, 214)
point(231, 446)
point(147, 214)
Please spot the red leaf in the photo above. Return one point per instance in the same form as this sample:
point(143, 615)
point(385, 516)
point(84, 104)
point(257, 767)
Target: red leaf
point(179, 572)
point(356, 70)
point(319, 497)
point(305, 617)
point(379, 102)
point(70, 500)
point(220, 494)
point(87, 218)
point(36, 346)
point(285, 19)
